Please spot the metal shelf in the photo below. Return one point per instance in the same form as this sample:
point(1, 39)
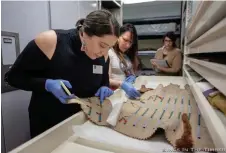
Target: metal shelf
point(212, 72)
point(211, 41)
point(208, 14)
point(148, 52)
point(166, 19)
point(155, 35)
point(112, 4)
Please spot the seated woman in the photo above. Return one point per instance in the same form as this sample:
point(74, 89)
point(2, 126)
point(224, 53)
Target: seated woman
point(171, 54)
point(124, 61)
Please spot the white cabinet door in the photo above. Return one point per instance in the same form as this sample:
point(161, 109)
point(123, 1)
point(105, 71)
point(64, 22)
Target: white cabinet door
point(15, 118)
point(2, 139)
point(65, 14)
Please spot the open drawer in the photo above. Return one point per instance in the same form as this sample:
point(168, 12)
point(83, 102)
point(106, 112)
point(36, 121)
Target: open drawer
point(215, 120)
point(60, 138)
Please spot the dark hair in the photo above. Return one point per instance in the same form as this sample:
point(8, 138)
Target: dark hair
point(131, 52)
point(99, 23)
point(172, 37)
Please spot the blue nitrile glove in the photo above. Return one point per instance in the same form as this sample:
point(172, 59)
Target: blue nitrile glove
point(57, 90)
point(103, 92)
point(130, 90)
point(131, 79)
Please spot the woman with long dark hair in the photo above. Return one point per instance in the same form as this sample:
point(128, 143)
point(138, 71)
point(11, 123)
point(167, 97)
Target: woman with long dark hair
point(75, 57)
point(123, 61)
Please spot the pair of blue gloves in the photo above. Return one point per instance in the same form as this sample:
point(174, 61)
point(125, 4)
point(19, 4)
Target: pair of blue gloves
point(128, 87)
point(55, 88)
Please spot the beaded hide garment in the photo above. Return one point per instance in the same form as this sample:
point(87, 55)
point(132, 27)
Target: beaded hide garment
point(171, 108)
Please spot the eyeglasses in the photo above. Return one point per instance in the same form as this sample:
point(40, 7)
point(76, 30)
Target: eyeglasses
point(167, 40)
point(127, 41)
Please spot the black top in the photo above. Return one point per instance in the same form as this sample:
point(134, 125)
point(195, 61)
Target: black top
point(32, 68)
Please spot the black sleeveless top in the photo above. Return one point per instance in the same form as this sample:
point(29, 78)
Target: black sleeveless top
point(32, 68)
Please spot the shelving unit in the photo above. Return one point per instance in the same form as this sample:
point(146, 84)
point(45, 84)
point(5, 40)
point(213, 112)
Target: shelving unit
point(204, 44)
point(111, 4)
point(115, 7)
point(153, 21)
point(209, 13)
point(211, 40)
point(150, 31)
point(212, 72)
point(155, 35)
point(186, 14)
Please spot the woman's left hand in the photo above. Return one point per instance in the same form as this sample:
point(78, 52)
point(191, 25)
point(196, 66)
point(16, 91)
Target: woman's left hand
point(153, 64)
point(131, 79)
point(103, 92)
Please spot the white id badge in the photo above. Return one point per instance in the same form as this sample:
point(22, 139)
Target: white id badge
point(97, 69)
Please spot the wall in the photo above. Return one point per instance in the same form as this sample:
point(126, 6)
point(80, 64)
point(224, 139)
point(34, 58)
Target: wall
point(22, 18)
point(28, 18)
point(64, 14)
point(86, 6)
point(152, 9)
point(61, 17)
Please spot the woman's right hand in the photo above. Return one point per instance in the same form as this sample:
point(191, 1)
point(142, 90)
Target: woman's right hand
point(130, 90)
point(54, 86)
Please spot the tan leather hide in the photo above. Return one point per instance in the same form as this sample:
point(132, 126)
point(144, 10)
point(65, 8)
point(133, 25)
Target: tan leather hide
point(170, 108)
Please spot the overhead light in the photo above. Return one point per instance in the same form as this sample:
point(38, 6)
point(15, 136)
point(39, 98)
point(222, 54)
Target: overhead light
point(94, 4)
point(136, 1)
